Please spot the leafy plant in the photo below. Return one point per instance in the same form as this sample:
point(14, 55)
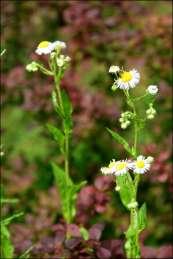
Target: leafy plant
point(126, 181)
point(7, 248)
point(58, 64)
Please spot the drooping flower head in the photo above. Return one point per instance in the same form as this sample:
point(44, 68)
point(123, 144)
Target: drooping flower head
point(46, 47)
point(141, 165)
point(128, 79)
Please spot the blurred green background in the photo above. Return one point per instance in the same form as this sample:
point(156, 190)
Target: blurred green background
point(132, 34)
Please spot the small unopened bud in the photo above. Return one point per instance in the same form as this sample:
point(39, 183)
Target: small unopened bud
point(132, 205)
point(114, 69)
point(152, 89)
point(150, 159)
point(117, 188)
point(32, 67)
point(114, 87)
point(151, 112)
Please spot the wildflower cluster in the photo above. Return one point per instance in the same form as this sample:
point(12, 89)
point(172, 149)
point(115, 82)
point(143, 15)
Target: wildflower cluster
point(57, 65)
point(57, 59)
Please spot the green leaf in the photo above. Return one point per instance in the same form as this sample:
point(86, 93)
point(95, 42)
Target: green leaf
point(66, 104)
point(57, 135)
point(120, 140)
point(67, 113)
point(142, 217)
point(84, 233)
point(127, 190)
point(9, 219)
point(2, 200)
point(7, 248)
point(26, 254)
point(64, 184)
point(68, 192)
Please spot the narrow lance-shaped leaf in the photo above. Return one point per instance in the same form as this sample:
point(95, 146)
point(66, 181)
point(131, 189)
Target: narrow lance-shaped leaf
point(120, 140)
point(56, 104)
point(9, 219)
point(67, 113)
point(57, 135)
point(68, 192)
point(63, 183)
point(7, 248)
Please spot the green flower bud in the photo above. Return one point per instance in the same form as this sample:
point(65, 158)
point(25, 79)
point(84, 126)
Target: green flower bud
point(32, 67)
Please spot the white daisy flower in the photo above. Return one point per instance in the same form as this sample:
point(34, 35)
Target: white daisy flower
point(121, 167)
point(141, 165)
point(110, 169)
point(128, 79)
point(46, 47)
point(152, 89)
point(114, 69)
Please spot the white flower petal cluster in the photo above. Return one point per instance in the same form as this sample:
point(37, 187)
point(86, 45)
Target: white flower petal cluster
point(139, 166)
point(46, 47)
point(152, 89)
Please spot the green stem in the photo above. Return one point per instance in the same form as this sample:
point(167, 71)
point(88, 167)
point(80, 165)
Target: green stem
point(67, 154)
point(57, 78)
point(134, 248)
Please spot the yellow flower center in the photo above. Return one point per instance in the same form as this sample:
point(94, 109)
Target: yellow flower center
point(43, 44)
point(140, 164)
point(121, 166)
point(126, 76)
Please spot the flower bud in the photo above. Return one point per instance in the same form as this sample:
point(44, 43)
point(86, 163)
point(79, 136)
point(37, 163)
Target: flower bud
point(117, 188)
point(32, 67)
point(152, 89)
point(151, 112)
point(150, 159)
point(114, 69)
point(132, 205)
